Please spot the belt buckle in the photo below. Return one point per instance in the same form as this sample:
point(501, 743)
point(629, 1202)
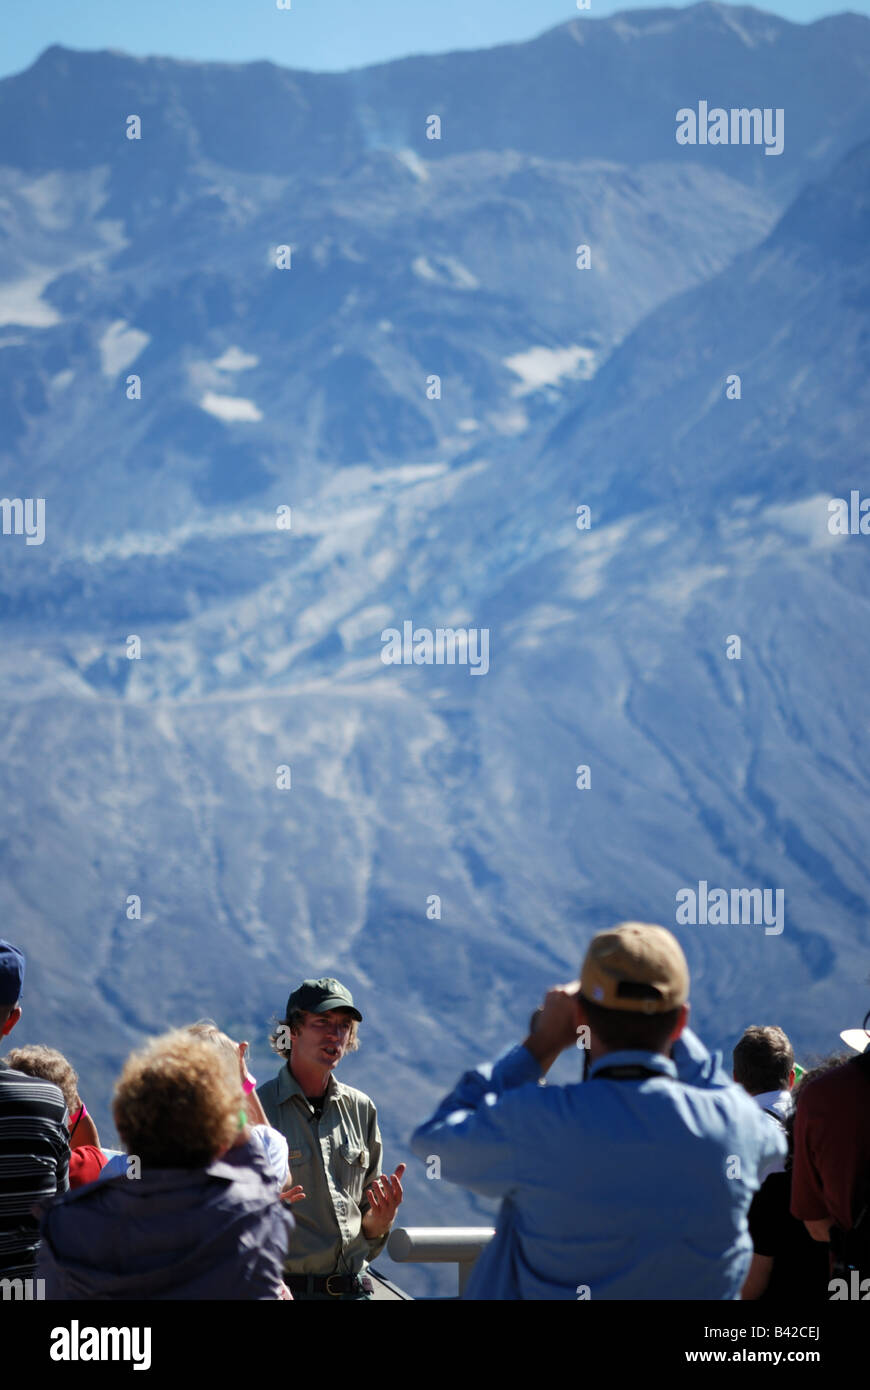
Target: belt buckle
point(337, 1293)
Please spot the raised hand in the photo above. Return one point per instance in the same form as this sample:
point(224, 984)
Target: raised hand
point(554, 1027)
point(385, 1195)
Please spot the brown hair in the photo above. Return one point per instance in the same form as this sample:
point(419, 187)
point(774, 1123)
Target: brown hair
point(176, 1105)
point(763, 1060)
point(624, 1030)
point(51, 1066)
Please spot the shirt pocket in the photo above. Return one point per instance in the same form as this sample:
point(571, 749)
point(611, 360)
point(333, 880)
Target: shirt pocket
point(298, 1159)
point(354, 1162)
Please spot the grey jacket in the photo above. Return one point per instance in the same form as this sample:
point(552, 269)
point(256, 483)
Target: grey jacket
point(174, 1233)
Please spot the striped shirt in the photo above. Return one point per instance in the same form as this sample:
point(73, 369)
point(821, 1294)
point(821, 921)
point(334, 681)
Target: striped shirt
point(34, 1163)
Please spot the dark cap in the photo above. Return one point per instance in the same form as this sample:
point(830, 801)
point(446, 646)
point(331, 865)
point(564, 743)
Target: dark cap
point(319, 996)
point(11, 973)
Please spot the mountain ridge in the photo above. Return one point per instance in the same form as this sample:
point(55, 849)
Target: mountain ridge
point(386, 105)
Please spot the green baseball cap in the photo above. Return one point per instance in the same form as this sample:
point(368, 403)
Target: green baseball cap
point(319, 996)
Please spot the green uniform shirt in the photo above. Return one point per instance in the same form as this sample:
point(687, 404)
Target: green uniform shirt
point(335, 1159)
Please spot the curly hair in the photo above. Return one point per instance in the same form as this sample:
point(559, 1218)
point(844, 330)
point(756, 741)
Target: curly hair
point(176, 1104)
point(51, 1066)
point(279, 1038)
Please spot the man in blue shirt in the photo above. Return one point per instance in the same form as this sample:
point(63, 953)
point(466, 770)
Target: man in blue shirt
point(632, 1184)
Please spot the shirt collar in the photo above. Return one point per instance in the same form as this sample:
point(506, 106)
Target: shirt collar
point(288, 1087)
point(654, 1060)
point(775, 1100)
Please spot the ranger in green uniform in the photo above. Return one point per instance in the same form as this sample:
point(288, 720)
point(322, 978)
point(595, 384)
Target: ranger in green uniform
point(335, 1148)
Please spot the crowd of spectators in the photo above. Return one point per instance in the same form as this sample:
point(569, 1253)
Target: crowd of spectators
point(658, 1175)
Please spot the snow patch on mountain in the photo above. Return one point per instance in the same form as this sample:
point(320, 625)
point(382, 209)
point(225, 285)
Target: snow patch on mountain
point(230, 408)
point(120, 345)
point(135, 543)
point(543, 366)
point(235, 360)
point(445, 270)
point(21, 301)
point(807, 518)
point(412, 161)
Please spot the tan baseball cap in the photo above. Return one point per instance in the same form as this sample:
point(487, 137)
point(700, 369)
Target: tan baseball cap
point(635, 967)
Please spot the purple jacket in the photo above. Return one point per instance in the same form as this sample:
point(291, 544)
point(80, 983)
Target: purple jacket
point(174, 1233)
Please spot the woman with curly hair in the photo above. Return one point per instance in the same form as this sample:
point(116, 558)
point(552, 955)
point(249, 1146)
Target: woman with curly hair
point(196, 1215)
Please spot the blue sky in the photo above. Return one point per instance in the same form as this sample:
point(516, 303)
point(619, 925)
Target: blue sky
point(322, 35)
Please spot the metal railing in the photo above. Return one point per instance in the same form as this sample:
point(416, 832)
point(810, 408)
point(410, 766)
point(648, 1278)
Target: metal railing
point(459, 1245)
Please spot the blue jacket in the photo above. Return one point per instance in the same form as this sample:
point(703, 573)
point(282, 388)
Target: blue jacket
point(611, 1188)
point(174, 1233)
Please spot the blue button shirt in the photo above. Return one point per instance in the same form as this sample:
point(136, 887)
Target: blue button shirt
point(611, 1189)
